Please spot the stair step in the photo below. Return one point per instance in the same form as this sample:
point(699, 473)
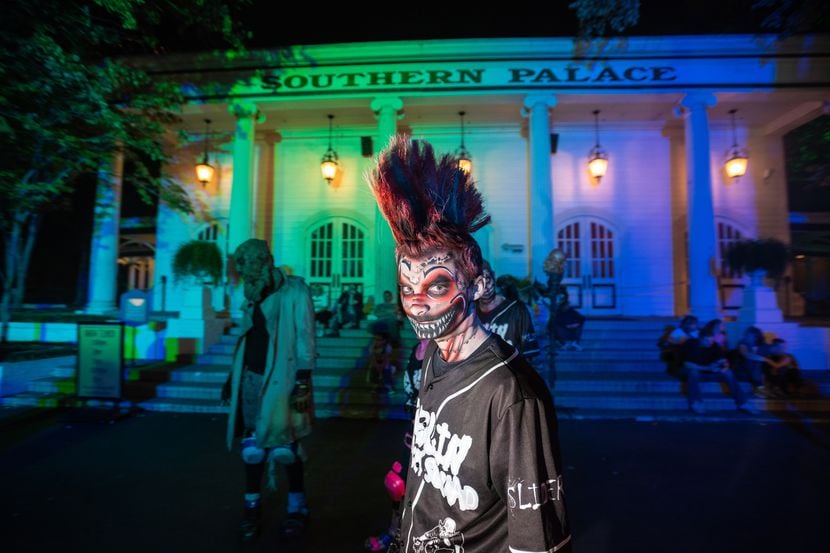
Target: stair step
point(216, 374)
point(214, 359)
point(183, 405)
point(685, 415)
point(190, 390)
point(662, 401)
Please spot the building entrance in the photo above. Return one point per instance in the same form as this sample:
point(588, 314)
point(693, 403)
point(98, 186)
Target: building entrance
point(336, 250)
point(590, 246)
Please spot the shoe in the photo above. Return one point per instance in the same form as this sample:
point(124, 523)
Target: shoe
point(697, 407)
point(748, 408)
point(294, 523)
point(760, 392)
point(249, 527)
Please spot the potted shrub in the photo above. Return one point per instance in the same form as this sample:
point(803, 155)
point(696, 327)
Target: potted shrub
point(766, 256)
point(198, 259)
point(197, 265)
point(758, 258)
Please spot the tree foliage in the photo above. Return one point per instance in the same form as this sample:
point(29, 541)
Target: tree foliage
point(70, 100)
point(600, 19)
point(198, 258)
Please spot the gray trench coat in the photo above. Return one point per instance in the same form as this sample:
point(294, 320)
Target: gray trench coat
point(289, 316)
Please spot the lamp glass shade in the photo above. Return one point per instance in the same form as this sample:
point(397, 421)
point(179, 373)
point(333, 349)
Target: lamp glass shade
point(465, 164)
point(204, 172)
point(736, 166)
point(329, 169)
point(598, 165)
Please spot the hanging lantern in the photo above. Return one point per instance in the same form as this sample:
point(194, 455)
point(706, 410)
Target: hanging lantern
point(329, 165)
point(204, 170)
point(597, 157)
point(736, 158)
point(464, 161)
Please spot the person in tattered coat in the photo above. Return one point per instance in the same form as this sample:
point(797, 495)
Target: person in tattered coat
point(269, 385)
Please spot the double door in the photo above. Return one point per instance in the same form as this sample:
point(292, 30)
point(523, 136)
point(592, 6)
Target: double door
point(590, 247)
point(336, 260)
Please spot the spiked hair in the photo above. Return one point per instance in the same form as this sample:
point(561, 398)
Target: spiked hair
point(429, 204)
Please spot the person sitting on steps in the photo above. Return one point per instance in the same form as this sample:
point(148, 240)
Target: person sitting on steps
point(671, 341)
point(705, 361)
point(781, 370)
point(568, 324)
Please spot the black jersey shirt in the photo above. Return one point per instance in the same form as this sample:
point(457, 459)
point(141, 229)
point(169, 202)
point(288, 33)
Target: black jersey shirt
point(511, 320)
point(485, 473)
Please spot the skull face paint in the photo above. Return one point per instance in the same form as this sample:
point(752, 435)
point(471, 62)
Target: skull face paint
point(434, 294)
point(489, 284)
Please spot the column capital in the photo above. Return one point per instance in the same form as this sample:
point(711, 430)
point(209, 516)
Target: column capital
point(242, 109)
point(386, 103)
point(533, 100)
point(698, 100)
point(269, 137)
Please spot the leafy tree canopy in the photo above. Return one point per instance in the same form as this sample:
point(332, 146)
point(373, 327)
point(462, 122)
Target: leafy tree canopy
point(69, 99)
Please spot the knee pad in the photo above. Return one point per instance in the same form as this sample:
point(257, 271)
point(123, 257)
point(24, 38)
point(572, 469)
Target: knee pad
point(283, 454)
point(251, 453)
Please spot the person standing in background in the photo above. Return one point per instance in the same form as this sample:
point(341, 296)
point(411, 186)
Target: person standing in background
point(269, 385)
point(510, 319)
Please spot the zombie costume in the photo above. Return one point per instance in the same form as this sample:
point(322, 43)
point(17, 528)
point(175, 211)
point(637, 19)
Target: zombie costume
point(289, 320)
point(484, 472)
point(269, 385)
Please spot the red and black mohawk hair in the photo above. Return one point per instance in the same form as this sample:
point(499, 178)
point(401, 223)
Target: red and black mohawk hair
point(429, 203)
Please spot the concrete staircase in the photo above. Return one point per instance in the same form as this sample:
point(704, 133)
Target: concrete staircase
point(340, 380)
point(617, 375)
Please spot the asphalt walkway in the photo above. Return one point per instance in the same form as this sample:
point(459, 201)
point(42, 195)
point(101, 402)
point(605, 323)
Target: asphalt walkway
point(79, 481)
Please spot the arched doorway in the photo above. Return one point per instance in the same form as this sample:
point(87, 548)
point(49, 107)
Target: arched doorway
point(336, 257)
point(590, 247)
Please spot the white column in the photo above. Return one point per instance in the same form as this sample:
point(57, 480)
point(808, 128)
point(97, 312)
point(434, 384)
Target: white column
point(540, 224)
point(703, 287)
point(103, 256)
point(241, 222)
point(387, 110)
point(277, 235)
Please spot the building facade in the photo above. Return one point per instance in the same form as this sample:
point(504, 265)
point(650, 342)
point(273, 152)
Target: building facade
point(647, 239)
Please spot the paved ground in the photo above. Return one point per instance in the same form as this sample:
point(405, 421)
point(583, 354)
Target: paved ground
point(164, 482)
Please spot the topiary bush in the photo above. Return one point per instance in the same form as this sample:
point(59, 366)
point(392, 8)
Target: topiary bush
point(200, 259)
point(765, 254)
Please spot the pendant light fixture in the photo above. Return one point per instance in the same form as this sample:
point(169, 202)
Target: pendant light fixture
point(204, 170)
point(329, 164)
point(464, 161)
point(597, 158)
point(736, 158)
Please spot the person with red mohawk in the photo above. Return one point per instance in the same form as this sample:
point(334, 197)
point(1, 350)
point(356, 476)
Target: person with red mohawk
point(485, 472)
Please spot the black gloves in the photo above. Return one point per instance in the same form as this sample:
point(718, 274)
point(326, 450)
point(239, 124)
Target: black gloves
point(301, 395)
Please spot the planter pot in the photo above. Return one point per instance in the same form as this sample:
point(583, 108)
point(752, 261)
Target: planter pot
point(760, 305)
point(197, 301)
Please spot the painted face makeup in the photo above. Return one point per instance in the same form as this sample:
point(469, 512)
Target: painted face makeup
point(434, 294)
point(489, 286)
